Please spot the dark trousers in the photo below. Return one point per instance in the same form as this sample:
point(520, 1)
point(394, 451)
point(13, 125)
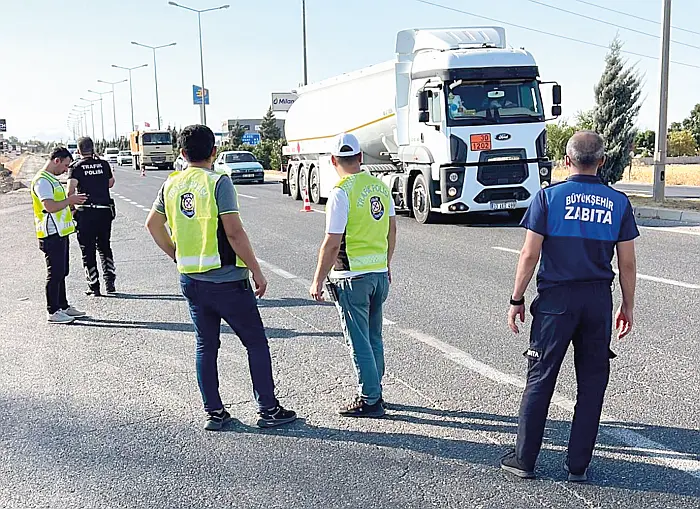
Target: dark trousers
point(236, 304)
point(55, 249)
point(94, 233)
point(580, 314)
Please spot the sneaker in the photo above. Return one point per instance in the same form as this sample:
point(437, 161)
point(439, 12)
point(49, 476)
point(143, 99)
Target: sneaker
point(583, 477)
point(94, 291)
point(60, 317)
point(359, 408)
point(275, 417)
point(510, 464)
point(217, 420)
point(75, 313)
point(110, 288)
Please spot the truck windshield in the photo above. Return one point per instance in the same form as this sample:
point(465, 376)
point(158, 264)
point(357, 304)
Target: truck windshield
point(157, 139)
point(503, 102)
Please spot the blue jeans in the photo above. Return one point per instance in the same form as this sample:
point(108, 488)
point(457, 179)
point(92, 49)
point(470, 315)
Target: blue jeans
point(236, 304)
point(360, 303)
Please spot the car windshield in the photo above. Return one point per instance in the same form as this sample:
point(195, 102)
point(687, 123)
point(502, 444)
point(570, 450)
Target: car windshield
point(494, 102)
point(72, 146)
point(124, 153)
point(157, 139)
point(243, 157)
point(112, 151)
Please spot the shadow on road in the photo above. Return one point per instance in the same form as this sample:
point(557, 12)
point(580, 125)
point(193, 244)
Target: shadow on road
point(147, 296)
point(289, 302)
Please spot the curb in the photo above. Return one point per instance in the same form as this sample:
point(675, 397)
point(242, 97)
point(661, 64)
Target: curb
point(667, 214)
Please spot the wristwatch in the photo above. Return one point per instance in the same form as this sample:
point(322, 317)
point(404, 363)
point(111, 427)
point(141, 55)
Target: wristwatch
point(520, 302)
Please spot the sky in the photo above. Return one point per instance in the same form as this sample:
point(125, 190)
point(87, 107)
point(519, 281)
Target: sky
point(54, 51)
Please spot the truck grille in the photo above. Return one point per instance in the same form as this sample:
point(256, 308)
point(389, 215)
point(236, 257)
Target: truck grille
point(505, 167)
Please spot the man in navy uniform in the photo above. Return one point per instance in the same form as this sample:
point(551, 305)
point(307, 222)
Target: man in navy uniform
point(576, 226)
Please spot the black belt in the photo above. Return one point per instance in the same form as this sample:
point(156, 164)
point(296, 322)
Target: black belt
point(93, 207)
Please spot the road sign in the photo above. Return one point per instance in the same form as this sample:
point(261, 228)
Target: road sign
point(282, 102)
point(197, 95)
point(3, 125)
point(251, 138)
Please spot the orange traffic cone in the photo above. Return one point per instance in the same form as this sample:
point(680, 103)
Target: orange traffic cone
point(307, 203)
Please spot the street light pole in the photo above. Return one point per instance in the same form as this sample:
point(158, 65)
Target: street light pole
point(202, 110)
point(102, 113)
point(131, 90)
point(303, 24)
point(114, 107)
point(92, 116)
point(155, 71)
point(662, 131)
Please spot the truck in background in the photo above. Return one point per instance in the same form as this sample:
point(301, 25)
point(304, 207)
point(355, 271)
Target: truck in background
point(455, 124)
point(152, 148)
point(72, 147)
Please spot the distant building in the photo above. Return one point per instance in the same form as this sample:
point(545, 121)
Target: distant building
point(251, 125)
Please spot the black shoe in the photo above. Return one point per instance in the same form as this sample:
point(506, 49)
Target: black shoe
point(94, 291)
point(384, 404)
point(110, 288)
point(510, 464)
point(216, 420)
point(359, 408)
point(275, 416)
point(575, 477)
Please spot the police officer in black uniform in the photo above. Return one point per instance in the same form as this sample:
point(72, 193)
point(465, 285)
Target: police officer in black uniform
point(93, 176)
point(576, 226)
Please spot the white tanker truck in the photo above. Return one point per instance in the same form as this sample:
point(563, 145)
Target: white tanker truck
point(454, 124)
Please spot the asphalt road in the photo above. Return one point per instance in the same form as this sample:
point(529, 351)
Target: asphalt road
point(670, 191)
point(106, 412)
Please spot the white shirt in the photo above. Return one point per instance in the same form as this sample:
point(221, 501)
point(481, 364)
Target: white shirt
point(44, 190)
point(337, 212)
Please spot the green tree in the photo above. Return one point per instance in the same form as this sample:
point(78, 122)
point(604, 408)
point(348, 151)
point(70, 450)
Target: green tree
point(557, 137)
point(236, 136)
point(692, 123)
point(682, 143)
point(645, 142)
point(176, 141)
point(585, 120)
point(269, 153)
point(268, 128)
point(617, 96)
point(675, 127)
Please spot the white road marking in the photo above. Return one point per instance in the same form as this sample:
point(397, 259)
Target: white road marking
point(662, 280)
point(389, 322)
point(685, 231)
point(280, 272)
point(656, 452)
point(249, 196)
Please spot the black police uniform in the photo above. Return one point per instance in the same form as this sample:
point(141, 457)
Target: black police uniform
point(94, 220)
point(581, 220)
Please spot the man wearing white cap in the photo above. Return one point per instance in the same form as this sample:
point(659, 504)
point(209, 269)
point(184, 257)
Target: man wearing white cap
point(359, 244)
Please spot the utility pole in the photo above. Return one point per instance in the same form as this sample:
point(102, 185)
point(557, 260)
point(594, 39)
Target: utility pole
point(662, 131)
point(303, 28)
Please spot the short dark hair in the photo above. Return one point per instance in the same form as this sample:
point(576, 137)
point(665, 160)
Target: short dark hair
point(60, 153)
point(198, 142)
point(85, 145)
point(348, 160)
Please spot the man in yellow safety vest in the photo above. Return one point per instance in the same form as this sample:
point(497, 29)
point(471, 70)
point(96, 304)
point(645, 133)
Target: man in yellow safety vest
point(53, 221)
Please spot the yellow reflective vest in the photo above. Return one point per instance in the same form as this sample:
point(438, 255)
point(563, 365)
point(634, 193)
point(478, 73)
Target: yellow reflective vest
point(63, 219)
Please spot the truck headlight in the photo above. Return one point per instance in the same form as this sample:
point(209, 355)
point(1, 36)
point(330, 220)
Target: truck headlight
point(452, 191)
point(545, 184)
point(454, 177)
point(544, 171)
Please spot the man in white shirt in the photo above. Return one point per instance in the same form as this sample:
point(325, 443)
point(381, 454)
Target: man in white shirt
point(359, 244)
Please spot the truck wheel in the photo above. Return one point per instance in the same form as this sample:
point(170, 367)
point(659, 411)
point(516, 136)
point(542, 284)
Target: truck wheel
point(303, 181)
point(420, 201)
point(315, 186)
point(293, 182)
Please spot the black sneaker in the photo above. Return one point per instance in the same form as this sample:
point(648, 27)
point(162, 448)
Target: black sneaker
point(575, 477)
point(275, 416)
point(110, 288)
point(510, 464)
point(384, 404)
point(216, 420)
point(359, 408)
point(94, 291)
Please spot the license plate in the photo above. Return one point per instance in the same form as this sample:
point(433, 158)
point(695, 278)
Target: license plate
point(503, 205)
point(480, 142)
point(158, 159)
point(249, 175)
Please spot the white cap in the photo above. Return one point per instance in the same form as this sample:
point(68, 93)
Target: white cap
point(345, 145)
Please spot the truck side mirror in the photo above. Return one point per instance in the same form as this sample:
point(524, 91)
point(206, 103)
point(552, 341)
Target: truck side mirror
point(556, 94)
point(556, 110)
point(424, 117)
point(423, 100)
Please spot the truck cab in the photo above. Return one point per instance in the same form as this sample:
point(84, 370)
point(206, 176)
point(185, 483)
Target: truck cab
point(152, 148)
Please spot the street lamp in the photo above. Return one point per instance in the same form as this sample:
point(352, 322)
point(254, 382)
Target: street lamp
point(303, 25)
point(92, 116)
point(82, 109)
point(202, 110)
point(114, 107)
point(131, 90)
point(77, 121)
point(155, 71)
point(102, 112)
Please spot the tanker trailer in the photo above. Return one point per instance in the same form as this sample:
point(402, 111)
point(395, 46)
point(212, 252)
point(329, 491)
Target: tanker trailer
point(454, 124)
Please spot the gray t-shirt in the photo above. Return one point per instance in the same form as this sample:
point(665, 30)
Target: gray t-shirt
point(227, 203)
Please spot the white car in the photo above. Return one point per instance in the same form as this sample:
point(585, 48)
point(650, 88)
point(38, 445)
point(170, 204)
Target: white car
point(124, 157)
point(111, 154)
point(242, 166)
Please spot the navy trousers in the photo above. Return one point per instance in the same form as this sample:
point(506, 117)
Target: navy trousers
point(580, 314)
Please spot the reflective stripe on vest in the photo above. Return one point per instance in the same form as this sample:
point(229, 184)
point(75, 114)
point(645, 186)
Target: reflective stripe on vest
point(365, 240)
point(63, 219)
point(193, 217)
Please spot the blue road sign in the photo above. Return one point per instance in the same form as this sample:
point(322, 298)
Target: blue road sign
point(251, 138)
point(197, 95)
